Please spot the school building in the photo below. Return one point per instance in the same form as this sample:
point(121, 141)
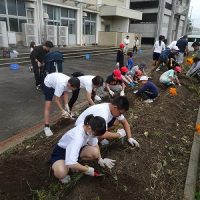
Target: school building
point(160, 17)
point(65, 22)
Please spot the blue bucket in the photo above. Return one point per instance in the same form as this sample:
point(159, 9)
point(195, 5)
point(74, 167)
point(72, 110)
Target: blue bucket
point(14, 66)
point(87, 56)
point(140, 51)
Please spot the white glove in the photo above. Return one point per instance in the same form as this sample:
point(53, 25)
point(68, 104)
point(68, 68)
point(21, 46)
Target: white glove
point(97, 98)
point(121, 132)
point(90, 171)
point(133, 142)
point(122, 93)
point(67, 108)
point(135, 91)
point(111, 93)
point(106, 162)
point(65, 114)
point(117, 64)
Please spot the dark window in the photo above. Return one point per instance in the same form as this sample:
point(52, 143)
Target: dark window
point(168, 6)
point(12, 7)
point(144, 4)
point(72, 13)
point(147, 40)
point(64, 12)
point(191, 39)
point(146, 18)
point(21, 8)
point(50, 12)
point(2, 7)
point(13, 24)
point(20, 24)
point(64, 22)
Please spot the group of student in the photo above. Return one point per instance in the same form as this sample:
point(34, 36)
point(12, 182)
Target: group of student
point(92, 127)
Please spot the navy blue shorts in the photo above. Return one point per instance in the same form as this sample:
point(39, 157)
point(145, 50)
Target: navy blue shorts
point(48, 93)
point(156, 56)
point(59, 154)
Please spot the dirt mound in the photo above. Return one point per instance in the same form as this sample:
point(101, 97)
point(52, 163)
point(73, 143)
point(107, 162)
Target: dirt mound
point(157, 170)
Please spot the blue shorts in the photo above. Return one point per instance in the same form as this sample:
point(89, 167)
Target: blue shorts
point(48, 93)
point(59, 154)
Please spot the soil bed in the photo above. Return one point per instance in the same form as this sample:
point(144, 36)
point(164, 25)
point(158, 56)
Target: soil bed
point(155, 171)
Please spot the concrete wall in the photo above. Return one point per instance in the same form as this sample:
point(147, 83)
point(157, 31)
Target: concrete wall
point(120, 24)
point(115, 38)
point(165, 24)
point(147, 30)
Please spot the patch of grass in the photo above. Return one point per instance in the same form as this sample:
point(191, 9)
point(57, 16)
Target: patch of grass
point(197, 196)
point(157, 134)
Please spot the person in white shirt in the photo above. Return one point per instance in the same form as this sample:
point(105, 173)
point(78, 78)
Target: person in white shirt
point(158, 47)
point(111, 112)
point(80, 142)
point(56, 85)
point(172, 44)
point(90, 84)
point(136, 45)
point(126, 43)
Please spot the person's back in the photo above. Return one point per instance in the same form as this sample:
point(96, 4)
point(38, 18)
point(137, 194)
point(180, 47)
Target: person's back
point(159, 46)
point(182, 43)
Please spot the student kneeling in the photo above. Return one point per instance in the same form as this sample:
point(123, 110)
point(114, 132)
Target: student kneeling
point(149, 90)
point(81, 141)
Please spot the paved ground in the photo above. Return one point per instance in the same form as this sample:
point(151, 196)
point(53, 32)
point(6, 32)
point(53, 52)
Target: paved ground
point(21, 105)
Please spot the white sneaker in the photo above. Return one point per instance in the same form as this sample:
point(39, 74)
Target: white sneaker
point(66, 179)
point(148, 101)
point(48, 131)
point(158, 69)
point(104, 142)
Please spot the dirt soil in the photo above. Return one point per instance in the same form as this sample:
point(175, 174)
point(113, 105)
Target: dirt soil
point(155, 171)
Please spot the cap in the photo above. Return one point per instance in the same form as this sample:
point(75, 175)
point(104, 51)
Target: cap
point(117, 74)
point(124, 69)
point(144, 78)
point(175, 48)
point(121, 46)
point(178, 69)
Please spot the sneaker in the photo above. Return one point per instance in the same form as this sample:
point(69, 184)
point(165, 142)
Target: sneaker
point(104, 142)
point(148, 101)
point(30, 68)
point(38, 87)
point(158, 69)
point(48, 131)
point(66, 179)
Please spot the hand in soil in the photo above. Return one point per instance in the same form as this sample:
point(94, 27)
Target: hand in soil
point(106, 162)
point(133, 142)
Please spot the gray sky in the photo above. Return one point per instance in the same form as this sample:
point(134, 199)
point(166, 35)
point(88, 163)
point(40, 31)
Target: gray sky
point(195, 12)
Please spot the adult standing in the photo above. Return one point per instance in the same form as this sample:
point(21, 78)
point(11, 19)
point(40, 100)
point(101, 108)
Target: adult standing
point(126, 43)
point(37, 61)
point(136, 44)
point(182, 44)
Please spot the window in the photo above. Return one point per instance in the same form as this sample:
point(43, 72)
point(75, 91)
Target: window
point(2, 7)
point(13, 24)
point(72, 27)
point(147, 40)
point(72, 13)
point(64, 22)
point(191, 39)
point(5, 20)
point(20, 24)
point(50, 12)
point(30, 13)
point(12, 7)
point(21, 8)
point(64, 12)
point(168, 6)
point(89, 27)
point(144, 4)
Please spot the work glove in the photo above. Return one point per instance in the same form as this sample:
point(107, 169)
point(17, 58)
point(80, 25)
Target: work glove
point(133, 142)
point(106, 162)
point(117, 64)
point(97, 98)
point(90, 171)
point(135, 91)
point(111, 93)
point(122, 93)
point(67, 108)
point(65, 114)
point(121, 132)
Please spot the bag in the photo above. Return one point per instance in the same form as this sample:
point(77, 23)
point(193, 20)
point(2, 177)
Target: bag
point(53, 62)
point(77, 74)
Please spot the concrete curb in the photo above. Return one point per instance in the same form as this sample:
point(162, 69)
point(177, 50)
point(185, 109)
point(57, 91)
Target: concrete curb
point(192, 173)
point(32, 131)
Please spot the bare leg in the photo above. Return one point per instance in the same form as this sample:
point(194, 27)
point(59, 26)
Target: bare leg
point(90, 153)
point(60, 169)
point(47, 108)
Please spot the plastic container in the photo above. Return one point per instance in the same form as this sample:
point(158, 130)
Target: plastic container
point(87, 56)
point(140, 51)
point(14, 66)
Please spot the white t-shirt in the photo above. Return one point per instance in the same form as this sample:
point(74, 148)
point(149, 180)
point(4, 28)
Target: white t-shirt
point(165, 77)
point(159, 48)
point(73, 140)
point(101, 110)
point(57, 81)
point(172, 44)
point(126, 41)
point(86, 82)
